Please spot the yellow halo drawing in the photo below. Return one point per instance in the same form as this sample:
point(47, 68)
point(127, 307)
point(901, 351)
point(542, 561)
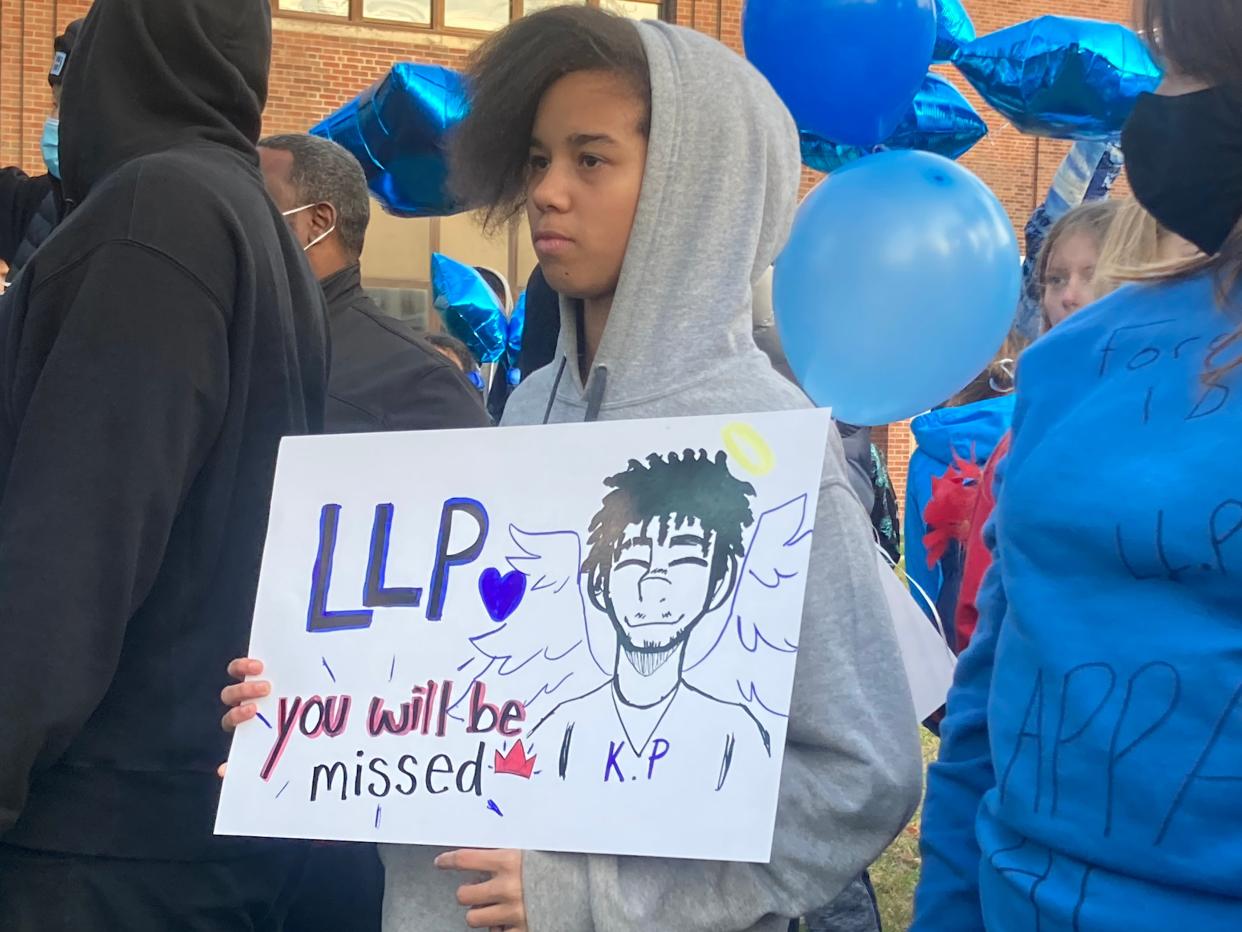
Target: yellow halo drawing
point(748, 449)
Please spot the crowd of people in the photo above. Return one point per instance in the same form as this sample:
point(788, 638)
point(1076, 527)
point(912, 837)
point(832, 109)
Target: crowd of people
point(184, 293)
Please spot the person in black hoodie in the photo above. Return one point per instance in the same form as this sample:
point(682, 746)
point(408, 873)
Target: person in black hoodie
point(384, 376)
point(30, 208)
point(152, 354)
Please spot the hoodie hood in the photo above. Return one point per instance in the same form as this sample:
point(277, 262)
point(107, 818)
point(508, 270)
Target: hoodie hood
point(718, 199)
point(973, 429)
point(149, 75)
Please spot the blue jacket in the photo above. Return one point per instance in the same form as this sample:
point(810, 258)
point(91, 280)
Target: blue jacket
point(1090, 775)
point(970, 430)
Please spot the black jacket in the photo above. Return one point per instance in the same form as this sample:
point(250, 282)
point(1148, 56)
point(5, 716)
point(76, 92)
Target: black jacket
point(543, 324)
point(30, 208)
point(384, 376)
point(152, 354)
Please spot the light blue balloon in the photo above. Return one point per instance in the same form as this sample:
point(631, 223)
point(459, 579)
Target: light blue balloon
point(897, 287)
point(847, 70)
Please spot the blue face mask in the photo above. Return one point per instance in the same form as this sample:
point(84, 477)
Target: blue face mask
point(51, 145)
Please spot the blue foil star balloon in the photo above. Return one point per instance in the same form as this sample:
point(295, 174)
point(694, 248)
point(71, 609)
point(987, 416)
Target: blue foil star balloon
point(517, 325)
point(953, 29)
point(1061, 77)
point(469, 308)
point(397, 128)
point(940, 120)
point(824, 156)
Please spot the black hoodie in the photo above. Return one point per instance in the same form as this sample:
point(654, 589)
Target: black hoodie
point(152, 354)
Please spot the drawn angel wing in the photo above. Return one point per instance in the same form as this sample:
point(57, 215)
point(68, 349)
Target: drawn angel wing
point(750, 658)
point(542, 653)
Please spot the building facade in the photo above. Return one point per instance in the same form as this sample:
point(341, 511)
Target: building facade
point(326, 51)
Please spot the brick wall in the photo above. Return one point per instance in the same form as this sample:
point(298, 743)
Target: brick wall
point(318, 66)
point(897, 444)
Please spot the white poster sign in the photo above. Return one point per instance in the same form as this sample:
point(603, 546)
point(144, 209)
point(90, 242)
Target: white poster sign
point(928, 661)
point(564, 638)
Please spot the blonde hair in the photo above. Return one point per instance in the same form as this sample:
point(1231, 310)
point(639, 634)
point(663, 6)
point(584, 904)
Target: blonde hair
point(1131, 251)
point(1093, 219)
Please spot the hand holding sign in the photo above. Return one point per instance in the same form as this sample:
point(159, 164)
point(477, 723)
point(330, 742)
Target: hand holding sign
point(459, 665)
point(497, 903)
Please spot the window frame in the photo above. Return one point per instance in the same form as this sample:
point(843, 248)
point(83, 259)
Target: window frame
point(668, 13)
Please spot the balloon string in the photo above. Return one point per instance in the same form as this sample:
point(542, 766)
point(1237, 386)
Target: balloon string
point(927, 600)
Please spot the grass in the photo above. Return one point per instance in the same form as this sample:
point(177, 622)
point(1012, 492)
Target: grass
point(896, 874)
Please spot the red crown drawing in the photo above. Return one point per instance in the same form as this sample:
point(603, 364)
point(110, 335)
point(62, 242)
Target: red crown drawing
point(516, 762)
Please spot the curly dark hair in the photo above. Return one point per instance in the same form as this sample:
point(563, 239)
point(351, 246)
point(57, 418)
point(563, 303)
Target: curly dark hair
point(509, 74)
point(673, 490)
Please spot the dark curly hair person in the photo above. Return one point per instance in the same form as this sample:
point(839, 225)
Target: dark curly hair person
point(665, 552)
point(671, 492)
point(659, 173)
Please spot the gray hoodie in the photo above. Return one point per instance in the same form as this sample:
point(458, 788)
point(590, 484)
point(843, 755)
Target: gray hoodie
point(717, 202)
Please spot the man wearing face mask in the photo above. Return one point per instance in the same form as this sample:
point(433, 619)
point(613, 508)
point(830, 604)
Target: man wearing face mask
point(30, 208)
point(383, 376)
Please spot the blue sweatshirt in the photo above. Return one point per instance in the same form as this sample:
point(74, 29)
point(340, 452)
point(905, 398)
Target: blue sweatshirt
point(1091, 767)
point(968, 431)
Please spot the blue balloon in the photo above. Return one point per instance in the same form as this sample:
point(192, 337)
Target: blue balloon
point(940, 120)
point(1061, 77)
point(897, 286)
point(397, 129)
point(517, 326)
point(846, 70)
point(469, 308)
point(824, 156)
point(953, 29)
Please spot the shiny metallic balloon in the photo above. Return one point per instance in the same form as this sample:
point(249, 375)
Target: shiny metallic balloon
point(397, 128)
point(953, 29)
point(1061, 77)
point(469, 309)
point(517, 328)
point(940, 120)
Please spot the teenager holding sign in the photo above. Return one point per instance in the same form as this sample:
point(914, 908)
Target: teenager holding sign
point(1089, 773)
point(660, 175)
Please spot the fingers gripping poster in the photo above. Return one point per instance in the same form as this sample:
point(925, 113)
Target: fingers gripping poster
point(563, 638)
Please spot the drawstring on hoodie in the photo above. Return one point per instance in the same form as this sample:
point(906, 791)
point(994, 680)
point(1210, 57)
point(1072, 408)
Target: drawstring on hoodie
point(595, 398)
point(556, 385)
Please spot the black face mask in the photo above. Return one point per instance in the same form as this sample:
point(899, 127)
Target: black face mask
point(1184, 161)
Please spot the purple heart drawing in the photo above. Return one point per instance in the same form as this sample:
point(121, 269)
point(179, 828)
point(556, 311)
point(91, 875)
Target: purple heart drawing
point(501, 594)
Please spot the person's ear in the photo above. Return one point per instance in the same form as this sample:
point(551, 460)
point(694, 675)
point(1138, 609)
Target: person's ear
point(724, 587)
point(322, 218)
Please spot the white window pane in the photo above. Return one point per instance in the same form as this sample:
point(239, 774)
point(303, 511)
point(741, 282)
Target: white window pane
point(483, 15)
point(634, 9)
point(534, 6)
point(398, 11)
point(327, 7)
